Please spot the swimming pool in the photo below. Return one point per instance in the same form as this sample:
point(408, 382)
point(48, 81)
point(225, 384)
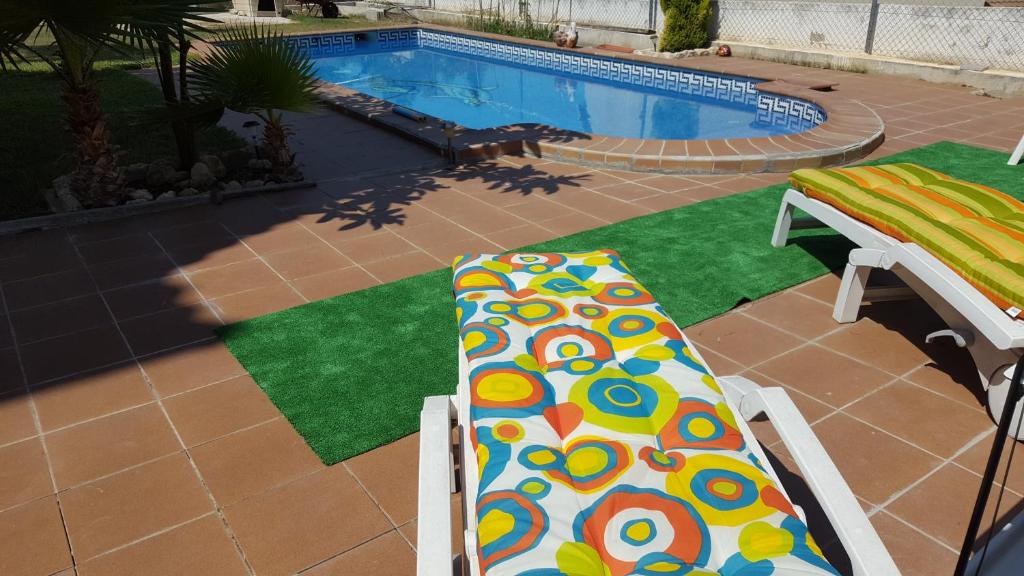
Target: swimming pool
point(483, 83)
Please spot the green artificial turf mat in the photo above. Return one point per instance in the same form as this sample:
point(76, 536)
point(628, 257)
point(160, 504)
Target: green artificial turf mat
point(351, 372)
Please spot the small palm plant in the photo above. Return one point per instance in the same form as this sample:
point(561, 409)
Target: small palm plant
point(253, 70)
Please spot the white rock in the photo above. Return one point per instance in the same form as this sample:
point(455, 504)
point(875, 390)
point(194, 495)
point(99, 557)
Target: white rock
point(188, 192)
point(233, 185)
point(255, 184)
point(140, 194)
point(201, 176)
point(136, 201)
point(167, 195)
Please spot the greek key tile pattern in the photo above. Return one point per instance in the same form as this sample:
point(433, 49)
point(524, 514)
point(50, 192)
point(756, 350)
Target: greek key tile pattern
point(771, 109)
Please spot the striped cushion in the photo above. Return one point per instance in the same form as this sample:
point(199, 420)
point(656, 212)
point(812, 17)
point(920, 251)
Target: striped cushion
point(975, 230)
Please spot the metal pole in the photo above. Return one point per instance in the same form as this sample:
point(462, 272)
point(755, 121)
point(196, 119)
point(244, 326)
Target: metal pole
point(869, 41)
point(1013, 395)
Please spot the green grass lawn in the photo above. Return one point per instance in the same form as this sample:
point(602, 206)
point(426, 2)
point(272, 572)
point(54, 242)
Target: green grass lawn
point(304, 24)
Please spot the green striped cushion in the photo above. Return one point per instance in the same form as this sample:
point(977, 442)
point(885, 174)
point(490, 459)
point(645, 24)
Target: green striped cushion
point(975, 230)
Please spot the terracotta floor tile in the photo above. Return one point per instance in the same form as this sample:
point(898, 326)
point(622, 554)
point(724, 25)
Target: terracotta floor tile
point(741, 339)
point(32, 540)
point(374, 247)
point(64, 355)
point(282, 238)
point(59, 318)
point(219, 409)
point(825, 375)
point(447, 252)
point(327, 284)
point(941, 505)
point(976, 458)
point(132, 271)
point(10, 371)
point(199, 547)
point(233, 278)
point(196, 258)
point(202, 233)
point(133, 504)
point(82, 397)
point(718, 364)
point(935, 423)
point(307, 261)
point(154, 296)
point(572, 222)
point(16, 421)
point(253, 461)
point(874, 464)
point(661, 202)
point(887, 337)
point(24, 473)
point(403, 266)
point(915, 554)
point(169, 329)
point(952, 373)
point(48, 288)
point(120, 248)
point(518, 237)
point(824, 288)
point(387, 555)
point(811, 409)
point(299, 524)
point(389, 473)
point(182, 369)
point(665, 183)
point(429, 236)
point(104, 446)
point(792, 312)
point(253, 303)
point(32, 265)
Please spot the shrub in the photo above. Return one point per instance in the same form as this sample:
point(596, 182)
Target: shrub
point(686, 24)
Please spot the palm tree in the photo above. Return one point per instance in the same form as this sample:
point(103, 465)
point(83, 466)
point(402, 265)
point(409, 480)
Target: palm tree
point(254, 71)
point(81, 30)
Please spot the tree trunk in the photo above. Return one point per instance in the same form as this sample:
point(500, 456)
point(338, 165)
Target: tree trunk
point(184, 132)
point(275, 143)
point(96, 178)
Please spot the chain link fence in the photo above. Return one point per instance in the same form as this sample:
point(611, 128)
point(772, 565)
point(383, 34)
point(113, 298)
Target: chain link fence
point(976, 37)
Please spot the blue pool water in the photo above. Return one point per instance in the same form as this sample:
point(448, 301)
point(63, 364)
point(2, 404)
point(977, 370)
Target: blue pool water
point(473, 86)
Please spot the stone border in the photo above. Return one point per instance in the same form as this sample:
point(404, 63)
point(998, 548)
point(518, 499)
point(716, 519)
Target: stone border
point(93, 215)
point(851, 130)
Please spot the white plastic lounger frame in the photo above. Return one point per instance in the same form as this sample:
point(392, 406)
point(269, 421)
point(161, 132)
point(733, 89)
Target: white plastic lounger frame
point(868, 555)
point(994, 339)
point(1017, 153)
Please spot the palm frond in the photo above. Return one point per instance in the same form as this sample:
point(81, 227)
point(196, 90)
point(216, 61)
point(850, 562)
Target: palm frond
point(252, 69)
point(111, 24)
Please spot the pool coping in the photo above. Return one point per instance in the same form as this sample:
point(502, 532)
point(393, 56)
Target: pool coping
point(851, 130)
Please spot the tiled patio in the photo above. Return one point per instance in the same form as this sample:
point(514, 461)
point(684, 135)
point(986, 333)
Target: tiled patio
point(131, 442)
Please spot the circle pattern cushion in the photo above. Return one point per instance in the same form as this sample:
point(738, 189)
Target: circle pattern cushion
point(603, 446)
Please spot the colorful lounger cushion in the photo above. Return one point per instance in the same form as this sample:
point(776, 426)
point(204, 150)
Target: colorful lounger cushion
point(975, 230)
point(604, 446)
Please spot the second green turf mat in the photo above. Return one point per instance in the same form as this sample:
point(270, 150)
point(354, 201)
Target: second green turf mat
point(350, 372)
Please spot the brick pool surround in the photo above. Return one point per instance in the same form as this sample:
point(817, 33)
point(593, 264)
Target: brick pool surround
point(851, 130)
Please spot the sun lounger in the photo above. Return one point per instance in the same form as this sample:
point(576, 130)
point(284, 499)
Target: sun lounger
point(957, 245)
point(594, 440)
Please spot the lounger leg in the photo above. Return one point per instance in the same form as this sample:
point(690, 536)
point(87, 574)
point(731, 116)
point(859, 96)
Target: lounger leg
point(1017, 153)
point(434, 536)
point(851, 293)
point(998, 389)
point(782, 224)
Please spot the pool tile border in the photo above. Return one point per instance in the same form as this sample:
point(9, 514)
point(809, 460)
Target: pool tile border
point(850, 131)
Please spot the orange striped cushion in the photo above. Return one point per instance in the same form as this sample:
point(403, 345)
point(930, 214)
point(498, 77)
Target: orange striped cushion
point(975, 230)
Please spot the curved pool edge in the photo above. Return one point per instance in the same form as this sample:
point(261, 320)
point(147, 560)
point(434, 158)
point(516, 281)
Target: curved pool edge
point(851, 130)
